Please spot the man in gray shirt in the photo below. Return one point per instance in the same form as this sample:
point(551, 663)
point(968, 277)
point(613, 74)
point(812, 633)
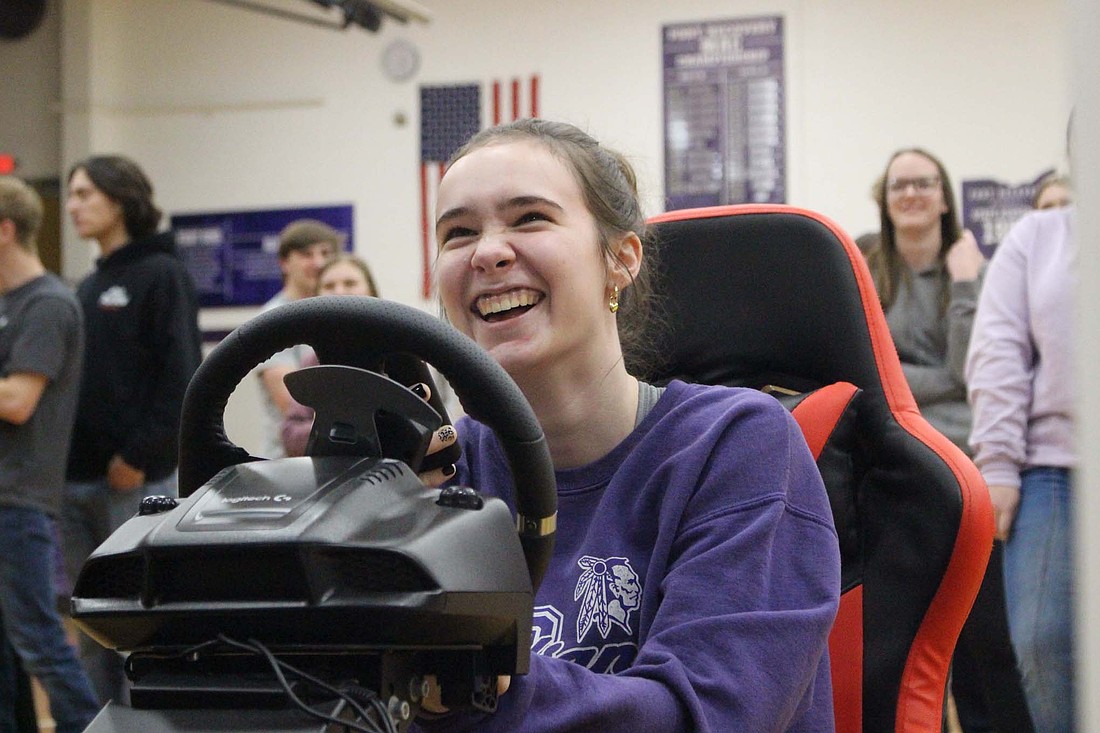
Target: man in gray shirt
point(41, 345)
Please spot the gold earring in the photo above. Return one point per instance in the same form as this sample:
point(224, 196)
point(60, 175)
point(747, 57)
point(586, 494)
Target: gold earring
point(613, 303)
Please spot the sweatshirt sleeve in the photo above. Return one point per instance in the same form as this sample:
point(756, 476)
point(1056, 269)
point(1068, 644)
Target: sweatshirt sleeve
point(171, 323)
point(944, 381)
point(1000, 362)
point(960, 324)
point(746, 604)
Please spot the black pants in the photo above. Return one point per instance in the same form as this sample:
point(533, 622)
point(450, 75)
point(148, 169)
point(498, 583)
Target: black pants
point(985, 681)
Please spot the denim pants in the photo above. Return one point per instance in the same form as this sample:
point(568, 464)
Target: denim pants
point(31, 621)
point(1039, 595)
point(91, 513)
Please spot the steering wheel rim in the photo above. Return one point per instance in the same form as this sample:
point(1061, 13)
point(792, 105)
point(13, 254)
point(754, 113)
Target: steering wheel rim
point(360, 331)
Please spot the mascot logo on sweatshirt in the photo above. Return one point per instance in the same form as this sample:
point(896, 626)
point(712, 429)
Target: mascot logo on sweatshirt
point(609, 591)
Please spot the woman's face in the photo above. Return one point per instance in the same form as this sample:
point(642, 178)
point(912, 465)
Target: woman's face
point(520, 269)
point(914, 194)
point(95, 215)
point(343, 278)
point(1054, 196)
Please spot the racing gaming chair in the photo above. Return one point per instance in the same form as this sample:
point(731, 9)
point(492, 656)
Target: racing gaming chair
point(779, 298)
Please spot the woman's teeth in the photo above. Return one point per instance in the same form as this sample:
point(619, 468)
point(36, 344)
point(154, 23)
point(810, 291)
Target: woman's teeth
point(488, 305)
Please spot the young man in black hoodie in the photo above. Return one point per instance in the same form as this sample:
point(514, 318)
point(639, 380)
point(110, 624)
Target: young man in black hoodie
point(142, 346)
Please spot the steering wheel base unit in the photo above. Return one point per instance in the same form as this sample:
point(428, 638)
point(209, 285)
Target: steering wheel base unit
point(337, 580)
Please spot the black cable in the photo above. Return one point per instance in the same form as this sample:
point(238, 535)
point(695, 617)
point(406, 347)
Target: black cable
point(372, 699)
point(277, 666)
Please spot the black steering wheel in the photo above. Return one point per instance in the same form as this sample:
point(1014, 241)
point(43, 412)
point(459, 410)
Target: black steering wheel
point(361, 332)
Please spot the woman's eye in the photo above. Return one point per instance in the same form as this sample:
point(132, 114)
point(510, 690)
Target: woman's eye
point(456, 233)
point(531, 217)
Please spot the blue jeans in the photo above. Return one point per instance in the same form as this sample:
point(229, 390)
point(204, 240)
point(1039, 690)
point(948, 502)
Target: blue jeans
point(91, 513)
point(16, 702)
point(1040, 597)
point(31, 621)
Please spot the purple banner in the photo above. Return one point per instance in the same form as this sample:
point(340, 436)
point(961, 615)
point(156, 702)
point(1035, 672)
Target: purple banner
point(990, 208)
point(724, 102)
point(233, 256)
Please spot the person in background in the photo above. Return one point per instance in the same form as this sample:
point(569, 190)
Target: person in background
point(142, 345)
point(696, 568)
point(1052, 192)
point(1022, 387)
point(305, 246)
point(927, 271)
point(344, 275)
point(41, 347)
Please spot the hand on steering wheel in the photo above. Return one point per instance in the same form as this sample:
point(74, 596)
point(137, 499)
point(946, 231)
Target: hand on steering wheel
point(443, 439)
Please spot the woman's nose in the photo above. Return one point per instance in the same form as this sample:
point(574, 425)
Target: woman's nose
point(493, 251)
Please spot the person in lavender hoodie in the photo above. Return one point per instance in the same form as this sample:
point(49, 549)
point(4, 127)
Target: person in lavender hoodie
point(1020, 379)
point(696, 570)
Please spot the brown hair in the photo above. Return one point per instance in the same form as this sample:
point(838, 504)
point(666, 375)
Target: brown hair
point(610, 190)
point(885, 261)
point(23, 206)
point(303, 233)
point(127, 185)
point(358, 264)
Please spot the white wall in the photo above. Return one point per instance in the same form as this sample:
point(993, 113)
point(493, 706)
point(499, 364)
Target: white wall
point(230, 109)
point(30, 122)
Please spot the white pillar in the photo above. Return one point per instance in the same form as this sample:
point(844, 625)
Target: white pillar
point(1085, 19)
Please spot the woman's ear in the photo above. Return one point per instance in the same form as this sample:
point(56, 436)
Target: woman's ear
point(628, 260)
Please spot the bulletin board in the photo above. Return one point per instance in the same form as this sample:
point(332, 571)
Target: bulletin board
point(233, 256)
point(724, 112)
point(990, 207)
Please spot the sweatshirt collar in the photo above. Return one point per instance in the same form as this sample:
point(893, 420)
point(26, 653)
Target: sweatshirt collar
point(136, 249)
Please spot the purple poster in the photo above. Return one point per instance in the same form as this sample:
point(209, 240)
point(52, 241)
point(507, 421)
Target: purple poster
point(990, 208)
point(233, 255)
point(724, 112)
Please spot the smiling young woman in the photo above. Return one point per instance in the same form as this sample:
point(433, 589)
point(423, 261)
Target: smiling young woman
point(695, 554)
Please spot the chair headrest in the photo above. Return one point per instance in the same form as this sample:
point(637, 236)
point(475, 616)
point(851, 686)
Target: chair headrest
point(808, 323)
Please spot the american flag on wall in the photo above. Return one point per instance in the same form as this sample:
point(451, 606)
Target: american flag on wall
point(449, 116)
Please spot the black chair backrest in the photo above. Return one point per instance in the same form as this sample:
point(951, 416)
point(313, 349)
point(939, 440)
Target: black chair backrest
point(763, 296)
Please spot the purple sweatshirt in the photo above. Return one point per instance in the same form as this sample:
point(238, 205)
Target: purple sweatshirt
point(1019, 368)
point(695, 578)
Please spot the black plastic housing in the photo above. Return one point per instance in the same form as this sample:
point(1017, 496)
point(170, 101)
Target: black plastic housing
point(346, 553)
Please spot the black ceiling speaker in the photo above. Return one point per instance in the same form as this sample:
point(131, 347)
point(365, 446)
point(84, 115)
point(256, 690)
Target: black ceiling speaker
point(19, 18)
